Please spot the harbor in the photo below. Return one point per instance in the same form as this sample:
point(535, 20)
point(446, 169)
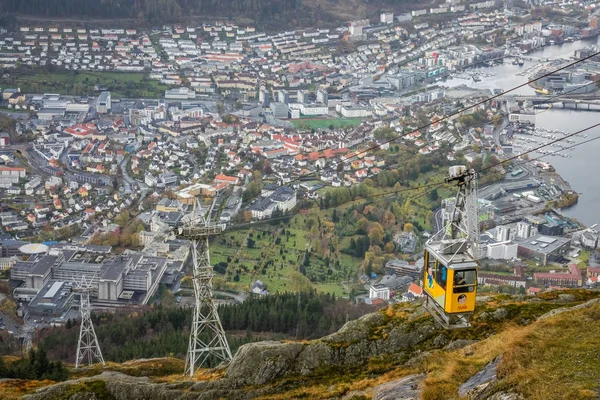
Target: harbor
point(573, 163)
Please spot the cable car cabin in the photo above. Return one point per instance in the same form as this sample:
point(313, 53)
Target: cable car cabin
point(450, 283)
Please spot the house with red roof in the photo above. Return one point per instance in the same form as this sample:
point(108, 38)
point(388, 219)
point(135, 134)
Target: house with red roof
point(89, 213)
point(230, 180)
point(81, 130)
point(313, 156)
point(416, 290)
point(593, 273)
point(57, 204)
point(572, 278)
point(533, 291)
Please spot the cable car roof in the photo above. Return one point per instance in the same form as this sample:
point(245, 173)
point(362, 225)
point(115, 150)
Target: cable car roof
point(458, 261)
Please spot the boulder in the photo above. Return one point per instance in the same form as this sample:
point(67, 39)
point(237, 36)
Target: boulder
point(566, 297)
point(261, 362)
point(352, 346)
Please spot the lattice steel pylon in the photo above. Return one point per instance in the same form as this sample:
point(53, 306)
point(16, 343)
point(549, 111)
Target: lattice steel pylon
point(88, 347)
point(207, 337)
point(26, 339)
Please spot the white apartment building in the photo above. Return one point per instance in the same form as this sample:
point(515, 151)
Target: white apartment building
point(379, 292)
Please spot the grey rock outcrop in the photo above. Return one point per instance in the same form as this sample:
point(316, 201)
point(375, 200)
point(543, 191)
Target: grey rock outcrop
point(505, 396)
point(407, 388)
point(557, 311)
point(498, 314)
point(118, 385)
point(459, 344)
point(352, 345)
point(478, 386)
point(566, 297)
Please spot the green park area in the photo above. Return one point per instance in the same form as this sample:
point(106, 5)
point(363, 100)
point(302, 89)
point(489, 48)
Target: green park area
point(346, 232)
point(84, 83)
point(283, 256)
point(310, 123)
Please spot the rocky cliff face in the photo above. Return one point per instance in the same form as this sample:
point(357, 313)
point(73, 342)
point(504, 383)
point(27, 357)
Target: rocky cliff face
point(353, 345)
point(393, 346)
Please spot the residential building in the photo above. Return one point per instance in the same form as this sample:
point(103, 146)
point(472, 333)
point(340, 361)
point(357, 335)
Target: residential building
point(518, 279)
point(386, 18)
point(103, 104)
point(573, 278)
point(505, 250)
point(4, 139)
point(379, 292)
point(524, 230)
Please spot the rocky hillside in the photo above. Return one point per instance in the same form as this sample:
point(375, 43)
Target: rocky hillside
point(518, 348)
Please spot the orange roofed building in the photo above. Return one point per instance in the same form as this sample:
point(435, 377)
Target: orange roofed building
point(81, 130)
point(230, 180)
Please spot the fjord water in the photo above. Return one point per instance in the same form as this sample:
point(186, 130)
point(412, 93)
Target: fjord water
point(582, 170)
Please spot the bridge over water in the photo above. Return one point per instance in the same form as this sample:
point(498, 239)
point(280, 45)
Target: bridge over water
point(586, 103)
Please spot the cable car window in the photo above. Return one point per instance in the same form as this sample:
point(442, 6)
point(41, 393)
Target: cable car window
point(431, 271)
point(465, 281)
point(441, 274)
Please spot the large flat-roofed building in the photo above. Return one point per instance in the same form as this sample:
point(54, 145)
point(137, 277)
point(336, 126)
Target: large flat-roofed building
point(573, 278)
point(283, 199)
point(130, 278)
point(47, 114)
point(543, 248)
point(403, 268)
point(182, 93)
point(53, 300)
point(103, 105)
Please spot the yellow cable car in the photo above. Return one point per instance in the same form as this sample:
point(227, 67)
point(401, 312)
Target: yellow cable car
point(451, 287)
point(450, 268)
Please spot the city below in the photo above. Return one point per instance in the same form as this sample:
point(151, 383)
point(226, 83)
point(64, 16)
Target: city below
point(309, 160)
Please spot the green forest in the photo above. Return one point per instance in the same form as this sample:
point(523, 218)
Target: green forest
point(160, 331)
point(148, 10)
point(34, 366)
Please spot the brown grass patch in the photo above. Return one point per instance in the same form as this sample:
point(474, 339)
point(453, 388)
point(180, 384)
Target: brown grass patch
point(14, 389)
point(557, 360)
point(448, 370)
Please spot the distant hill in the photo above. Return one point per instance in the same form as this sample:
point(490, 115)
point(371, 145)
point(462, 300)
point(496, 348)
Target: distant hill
point(518, 348)
point(273, 14)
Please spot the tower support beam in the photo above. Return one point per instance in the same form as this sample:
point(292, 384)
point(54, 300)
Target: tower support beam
point(207, 337)
point(88, 348)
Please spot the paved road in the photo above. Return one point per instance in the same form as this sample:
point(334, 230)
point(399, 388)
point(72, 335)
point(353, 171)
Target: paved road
point(437, 221)
point(232, 298)
point(239, 297)
point(9, 324)
point(15, 115)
